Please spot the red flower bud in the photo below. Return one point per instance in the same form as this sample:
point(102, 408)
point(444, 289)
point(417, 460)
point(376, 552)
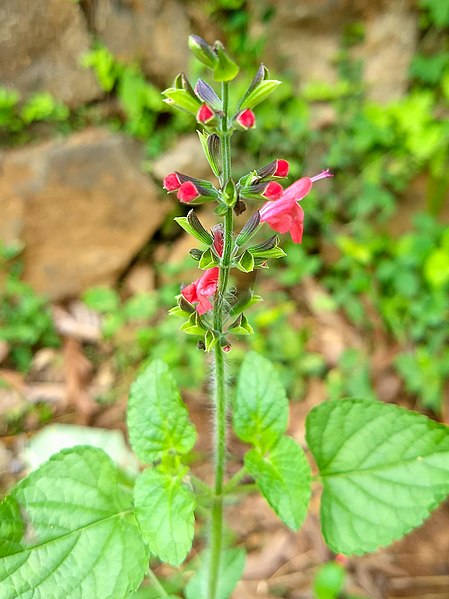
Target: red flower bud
point(273, 191)
point(172, 182)
point(205, 114)
point(282, 167)
point(246, 119)
point(188, 192)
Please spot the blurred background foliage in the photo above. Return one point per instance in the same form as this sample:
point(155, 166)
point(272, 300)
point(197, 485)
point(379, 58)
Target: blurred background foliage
point(389, 280)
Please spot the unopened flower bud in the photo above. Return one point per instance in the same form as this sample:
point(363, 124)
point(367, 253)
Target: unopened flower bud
point(217, 232)
point(172, 182)
point(246, 119)
point(207, 95)
point(271, 190)
point(205, 114)
point(276, 168)
point(202, 51)
point(188, 192)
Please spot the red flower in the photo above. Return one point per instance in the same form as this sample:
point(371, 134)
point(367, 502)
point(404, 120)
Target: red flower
point(286, 215)
point(246, 119)
point(205, 114)
point(202, 289)
point(172, 182)
point(282, 167)
point(273, 191)
point(188, 192)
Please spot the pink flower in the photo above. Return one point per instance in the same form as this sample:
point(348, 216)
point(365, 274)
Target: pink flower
point(202, 289)
point(172, 182)
point(286, 215)
point(205, 114)
point(188, 192)
point(246, 119)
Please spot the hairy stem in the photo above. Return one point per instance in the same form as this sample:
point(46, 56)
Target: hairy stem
point(219, 366)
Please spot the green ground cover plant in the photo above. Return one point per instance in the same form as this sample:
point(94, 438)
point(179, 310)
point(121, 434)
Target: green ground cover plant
point(78, 527)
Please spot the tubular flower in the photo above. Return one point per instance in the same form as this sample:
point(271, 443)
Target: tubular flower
point(286, 215)
point(202, 290)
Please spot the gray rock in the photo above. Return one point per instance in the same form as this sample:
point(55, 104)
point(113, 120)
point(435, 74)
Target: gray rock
point(40, 48)
point(81, 207)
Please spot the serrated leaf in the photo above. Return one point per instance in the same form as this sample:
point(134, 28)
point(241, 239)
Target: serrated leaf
point(283, 478)
point(158, 421)
point(164, 508)
point(78, 522)
point(383, 470)
point(260, 411)
point(232, 563)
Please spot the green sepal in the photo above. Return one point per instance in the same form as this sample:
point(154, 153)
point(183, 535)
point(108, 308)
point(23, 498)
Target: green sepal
point(259, 93)
point(202, 51)
point(249, 230)
point(225, 69)
point(208, 260)
point(221, 209)
point(229, 194)
point(196, 254)
point(192, 225)
point(210, 340)
point(184, 307)
point(266, 250)
point(244, 303)
point(241, 326)
point(177, 311)
point(246, 262)
point(194, 326)
point(180, 98)
point(210, 150)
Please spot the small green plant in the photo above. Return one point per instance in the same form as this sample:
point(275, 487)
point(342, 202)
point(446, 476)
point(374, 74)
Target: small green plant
point(25, 318)
point(78, 528)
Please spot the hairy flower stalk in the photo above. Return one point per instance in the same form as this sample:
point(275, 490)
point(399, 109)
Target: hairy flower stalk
point(203, 302)
point(219, 358)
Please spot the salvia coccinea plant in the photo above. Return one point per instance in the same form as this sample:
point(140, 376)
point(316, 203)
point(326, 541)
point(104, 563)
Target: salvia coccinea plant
point(78, 528)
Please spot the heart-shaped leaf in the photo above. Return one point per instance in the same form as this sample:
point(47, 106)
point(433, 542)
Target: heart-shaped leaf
point(383, 468)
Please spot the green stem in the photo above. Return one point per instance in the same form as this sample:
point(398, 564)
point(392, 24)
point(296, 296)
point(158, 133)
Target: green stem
point(156, 584)
point(219, 358)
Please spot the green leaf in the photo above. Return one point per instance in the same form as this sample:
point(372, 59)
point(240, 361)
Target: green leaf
point(260, 411)
point(158, 421)
point(329, 581)
point(283, 478)
point(80, 535)
point(383, 470)
point(232, 563)
point(164, 508)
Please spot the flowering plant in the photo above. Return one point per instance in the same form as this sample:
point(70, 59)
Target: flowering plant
point(78, 528)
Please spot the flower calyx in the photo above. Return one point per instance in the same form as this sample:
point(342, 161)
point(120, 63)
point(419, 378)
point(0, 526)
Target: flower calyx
point(241, 326)
point(260, 88)
point(192, 225)
point(210, 142)
point(266, 250)
point(249, 230)
point(266, 190)
point(207, 95)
